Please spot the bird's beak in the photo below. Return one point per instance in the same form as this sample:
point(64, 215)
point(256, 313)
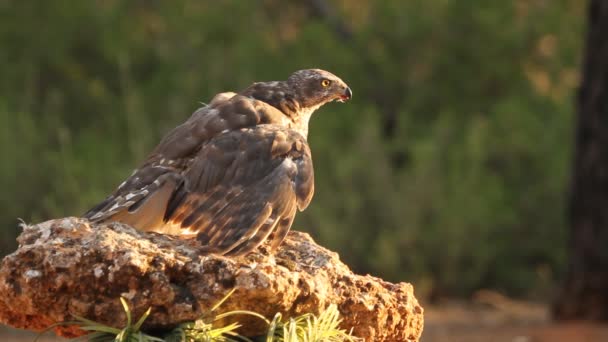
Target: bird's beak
point(347, 95)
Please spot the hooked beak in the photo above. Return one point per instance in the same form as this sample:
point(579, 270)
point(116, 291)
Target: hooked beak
point(347, 95)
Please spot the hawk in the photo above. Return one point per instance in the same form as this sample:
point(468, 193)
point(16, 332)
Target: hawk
point(235, 173)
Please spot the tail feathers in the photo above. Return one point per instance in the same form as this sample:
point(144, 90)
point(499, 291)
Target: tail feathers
point(141, 208)
point(116, 203)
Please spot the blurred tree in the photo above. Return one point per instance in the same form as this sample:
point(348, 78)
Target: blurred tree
point(585, 291)
point(448, 168)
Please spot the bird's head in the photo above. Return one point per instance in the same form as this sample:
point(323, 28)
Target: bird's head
point(313, 88)
point(301, 94)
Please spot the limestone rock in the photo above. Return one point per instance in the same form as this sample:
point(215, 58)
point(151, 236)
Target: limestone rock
point(70, 266)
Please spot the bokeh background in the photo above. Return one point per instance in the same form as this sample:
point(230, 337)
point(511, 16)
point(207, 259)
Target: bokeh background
point(448, 169)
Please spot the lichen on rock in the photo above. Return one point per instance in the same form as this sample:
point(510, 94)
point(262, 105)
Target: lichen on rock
point(69, 267)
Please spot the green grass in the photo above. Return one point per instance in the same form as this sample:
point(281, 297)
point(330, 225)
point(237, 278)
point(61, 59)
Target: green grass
point(309, 328)
point(305, 328)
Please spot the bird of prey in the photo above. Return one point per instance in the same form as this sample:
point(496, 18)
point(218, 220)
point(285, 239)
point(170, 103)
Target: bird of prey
point(235, 173)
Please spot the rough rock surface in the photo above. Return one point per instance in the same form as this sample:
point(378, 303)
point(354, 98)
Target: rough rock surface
point(69, 266)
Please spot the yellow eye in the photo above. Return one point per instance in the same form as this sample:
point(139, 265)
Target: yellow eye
point(325, 83)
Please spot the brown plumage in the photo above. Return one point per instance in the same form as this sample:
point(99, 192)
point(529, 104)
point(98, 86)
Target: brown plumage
point(235, 172)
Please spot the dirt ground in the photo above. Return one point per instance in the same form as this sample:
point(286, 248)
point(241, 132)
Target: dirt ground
point(14, 335)
point(489, 318)
point(494, 318)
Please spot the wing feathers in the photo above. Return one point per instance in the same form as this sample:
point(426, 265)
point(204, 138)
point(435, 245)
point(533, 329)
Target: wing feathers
point(245, 245)
point(219, 178)
point(282, 228)
point(245, 186)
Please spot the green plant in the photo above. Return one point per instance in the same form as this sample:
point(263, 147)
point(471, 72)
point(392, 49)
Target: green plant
point(103, 333)
point(309, 328)
point(130, 333)
point(304, 328)
point(203, 330)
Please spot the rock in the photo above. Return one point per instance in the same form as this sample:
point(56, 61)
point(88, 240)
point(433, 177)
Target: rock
point(71, 267)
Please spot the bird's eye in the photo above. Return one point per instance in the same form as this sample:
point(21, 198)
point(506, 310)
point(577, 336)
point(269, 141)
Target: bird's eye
point(325, 83)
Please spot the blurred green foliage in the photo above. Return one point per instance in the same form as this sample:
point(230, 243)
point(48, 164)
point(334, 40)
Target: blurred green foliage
point(449, 168)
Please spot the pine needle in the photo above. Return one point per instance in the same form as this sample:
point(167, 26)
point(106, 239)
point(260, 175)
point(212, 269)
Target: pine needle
point(304, 328)
point(310, 328)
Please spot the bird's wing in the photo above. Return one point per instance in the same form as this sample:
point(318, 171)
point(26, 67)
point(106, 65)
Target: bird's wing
point(155, 180)
point(241, 187)
point(235, 191)
point(226, 112)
